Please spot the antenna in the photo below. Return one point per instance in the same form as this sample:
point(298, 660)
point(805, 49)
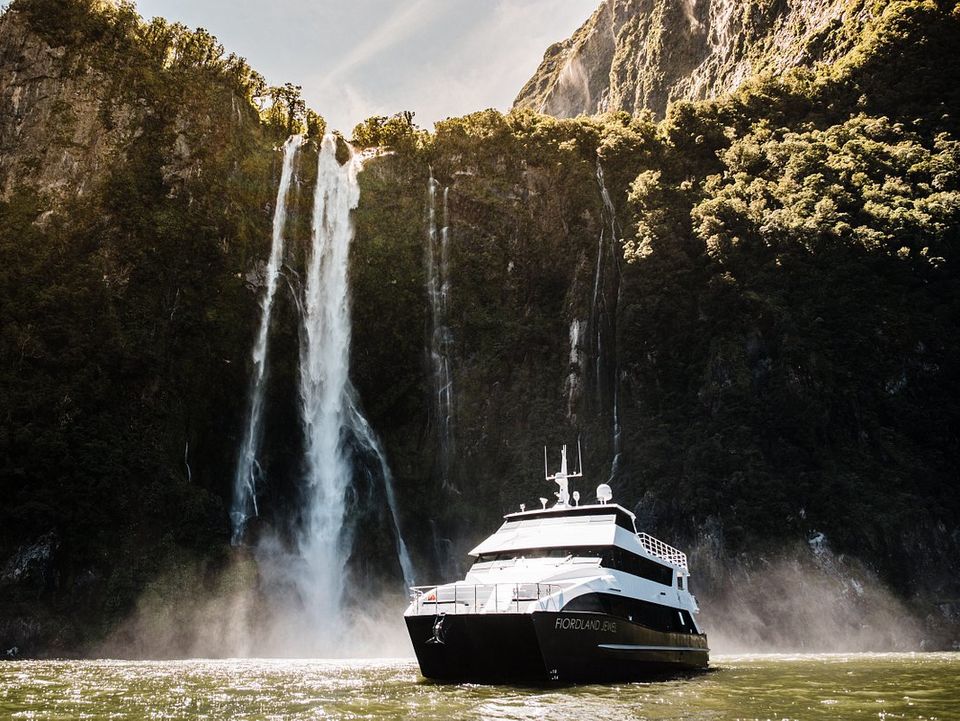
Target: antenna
point(562, 477)
point(579, 458)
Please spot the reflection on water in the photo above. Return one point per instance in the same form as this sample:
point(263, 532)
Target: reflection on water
point(835, 687)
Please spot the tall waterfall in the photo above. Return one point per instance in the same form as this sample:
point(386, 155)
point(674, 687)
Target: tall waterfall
point(604, 315)
point(332, 422)
point(441, 339)
point(247, 472)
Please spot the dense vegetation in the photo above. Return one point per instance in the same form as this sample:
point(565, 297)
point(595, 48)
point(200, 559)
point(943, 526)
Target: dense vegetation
point(127, 310)
point(775, 322)
point(787, 314)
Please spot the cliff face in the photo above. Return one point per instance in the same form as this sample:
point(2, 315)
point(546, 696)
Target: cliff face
point(135, 182)
point(750, 341)
point(51, 134)
point(71, 117)
point(746, 311)
point(639, 55)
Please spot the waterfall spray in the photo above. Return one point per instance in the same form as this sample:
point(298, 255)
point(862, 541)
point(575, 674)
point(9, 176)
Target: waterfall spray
point(441, 339)
point(330, 416)
point(247, 472)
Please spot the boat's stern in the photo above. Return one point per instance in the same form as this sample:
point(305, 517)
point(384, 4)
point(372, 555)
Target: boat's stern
point(480, 632)
point(477, 647)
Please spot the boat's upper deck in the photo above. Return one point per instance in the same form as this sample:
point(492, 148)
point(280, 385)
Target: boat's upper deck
point(572, 527)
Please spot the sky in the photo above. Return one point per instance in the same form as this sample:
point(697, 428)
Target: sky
point(358, 58)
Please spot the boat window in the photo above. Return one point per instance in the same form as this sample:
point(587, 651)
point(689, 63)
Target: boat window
point(588, 514)
point(679, 581)
point(622, 560)
point(582, 552)
point(613, 557)
point(651, 615)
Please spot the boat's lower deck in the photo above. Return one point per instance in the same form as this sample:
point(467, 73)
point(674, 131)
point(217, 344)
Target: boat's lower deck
point(549, 647)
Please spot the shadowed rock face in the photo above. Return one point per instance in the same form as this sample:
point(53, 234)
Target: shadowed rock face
point(643, 54)
point(51, 132)
point(68, 119)
point(782, 357)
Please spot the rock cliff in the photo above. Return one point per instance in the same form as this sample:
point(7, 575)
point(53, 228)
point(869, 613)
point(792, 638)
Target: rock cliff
point(640, 55)
point(747, 311)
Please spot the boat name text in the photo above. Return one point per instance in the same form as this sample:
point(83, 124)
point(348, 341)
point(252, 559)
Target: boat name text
point(585, 624)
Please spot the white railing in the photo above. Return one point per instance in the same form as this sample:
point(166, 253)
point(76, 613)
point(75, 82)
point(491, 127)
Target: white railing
point(664, 551)
point(457, 598)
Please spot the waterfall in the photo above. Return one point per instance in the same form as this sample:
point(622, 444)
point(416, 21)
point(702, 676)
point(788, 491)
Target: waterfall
point(605, 320)
point(370, 443)
point(331, 419)
point(575, 369)
point(244, 504)
point(441, 339)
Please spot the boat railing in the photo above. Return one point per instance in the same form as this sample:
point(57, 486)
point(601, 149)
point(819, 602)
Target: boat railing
point(457, 598)
point(663, 550)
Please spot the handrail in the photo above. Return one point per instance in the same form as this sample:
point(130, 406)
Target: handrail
point(663, 550)
point(486, 597)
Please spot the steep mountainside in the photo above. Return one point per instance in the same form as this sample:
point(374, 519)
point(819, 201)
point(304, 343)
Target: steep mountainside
point(773, 358)
point(639, 55)
point(748, 311)
point(136, 179)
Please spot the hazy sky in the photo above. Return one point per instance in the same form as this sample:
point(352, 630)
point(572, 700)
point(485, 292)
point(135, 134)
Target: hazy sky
point(359, 58)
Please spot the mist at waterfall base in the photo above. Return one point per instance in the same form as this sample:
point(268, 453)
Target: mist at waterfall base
point(803, 599)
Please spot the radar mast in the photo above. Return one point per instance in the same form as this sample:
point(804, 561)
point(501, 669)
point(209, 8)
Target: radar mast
point(562, 477)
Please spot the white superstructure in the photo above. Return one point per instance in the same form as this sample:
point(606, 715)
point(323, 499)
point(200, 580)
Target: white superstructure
point(544, 559)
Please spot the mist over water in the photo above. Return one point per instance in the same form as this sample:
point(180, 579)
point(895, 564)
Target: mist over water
point(803, 600)
point(250, 608)
point(788, 604)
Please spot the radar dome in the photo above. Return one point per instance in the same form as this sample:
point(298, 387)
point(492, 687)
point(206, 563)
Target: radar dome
point(604, 494)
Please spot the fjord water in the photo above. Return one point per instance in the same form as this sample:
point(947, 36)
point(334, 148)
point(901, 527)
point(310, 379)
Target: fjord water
point(835, 687)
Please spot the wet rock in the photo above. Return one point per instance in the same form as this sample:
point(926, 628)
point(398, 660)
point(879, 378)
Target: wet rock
point(32, 563)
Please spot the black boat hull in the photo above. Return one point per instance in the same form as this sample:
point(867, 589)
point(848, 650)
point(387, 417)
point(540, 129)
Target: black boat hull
point(549, 647)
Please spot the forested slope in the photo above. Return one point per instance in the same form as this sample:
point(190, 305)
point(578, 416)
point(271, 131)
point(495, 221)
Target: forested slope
point(762, 320)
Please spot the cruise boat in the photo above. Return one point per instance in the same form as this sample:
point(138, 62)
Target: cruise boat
point(568, 593)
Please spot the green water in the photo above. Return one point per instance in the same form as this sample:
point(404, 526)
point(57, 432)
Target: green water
point(884, 686)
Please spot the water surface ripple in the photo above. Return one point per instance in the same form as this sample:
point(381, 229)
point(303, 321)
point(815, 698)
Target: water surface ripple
point(835, 687)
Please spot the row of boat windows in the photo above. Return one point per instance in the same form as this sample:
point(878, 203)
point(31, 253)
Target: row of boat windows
point(651, 615)
point(622, 519)
point(613, 557)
